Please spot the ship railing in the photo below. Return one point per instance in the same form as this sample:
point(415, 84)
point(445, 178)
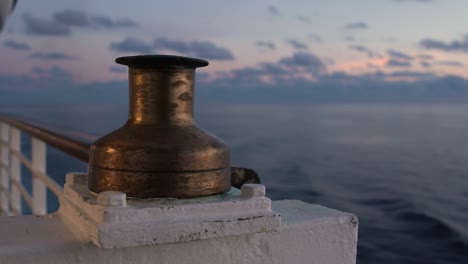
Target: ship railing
point(13, 192)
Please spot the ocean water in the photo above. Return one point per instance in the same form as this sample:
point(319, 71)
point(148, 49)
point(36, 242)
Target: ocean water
point(401, 168)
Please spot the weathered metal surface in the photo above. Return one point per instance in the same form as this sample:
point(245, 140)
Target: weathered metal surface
point(160, 184)
point(79, 148)
point(160, 151)
point(241, 176)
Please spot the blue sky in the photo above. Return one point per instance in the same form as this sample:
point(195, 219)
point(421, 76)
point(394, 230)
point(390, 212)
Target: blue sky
point(256, 43)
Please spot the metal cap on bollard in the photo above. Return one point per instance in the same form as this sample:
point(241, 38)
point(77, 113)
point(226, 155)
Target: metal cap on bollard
point(160, 152)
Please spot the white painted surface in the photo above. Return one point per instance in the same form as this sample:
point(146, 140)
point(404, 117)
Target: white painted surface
point(15, 170)
point(111, 221)
point(308, 234)
point(39, 189)
point(4, 173)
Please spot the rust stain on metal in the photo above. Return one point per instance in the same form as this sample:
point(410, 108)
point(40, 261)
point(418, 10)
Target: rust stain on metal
point(185, 97)
point(241, 176)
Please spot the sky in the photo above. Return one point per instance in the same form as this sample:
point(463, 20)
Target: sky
point(254, 44)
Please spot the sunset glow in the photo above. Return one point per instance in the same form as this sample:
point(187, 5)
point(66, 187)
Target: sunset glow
point(364, 37)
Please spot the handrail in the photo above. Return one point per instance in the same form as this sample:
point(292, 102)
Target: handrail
point(70, 146)
point(41, 135)
point(80, 150)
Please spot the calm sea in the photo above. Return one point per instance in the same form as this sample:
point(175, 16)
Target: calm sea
point(402, 168)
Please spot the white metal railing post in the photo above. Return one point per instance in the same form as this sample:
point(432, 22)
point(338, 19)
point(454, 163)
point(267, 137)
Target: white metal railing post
point(15, 171)
point(4, 173)
point(39, 187)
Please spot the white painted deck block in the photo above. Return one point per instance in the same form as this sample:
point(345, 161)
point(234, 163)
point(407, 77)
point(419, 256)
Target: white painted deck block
point(112, 221)
point(308, 234)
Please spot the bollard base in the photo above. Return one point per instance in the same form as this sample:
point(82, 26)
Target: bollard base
point(111, 220)
point(309, 233)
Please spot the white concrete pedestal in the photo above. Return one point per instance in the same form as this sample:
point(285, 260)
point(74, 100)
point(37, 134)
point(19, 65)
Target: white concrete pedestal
point(112, 221)
point(308, 234)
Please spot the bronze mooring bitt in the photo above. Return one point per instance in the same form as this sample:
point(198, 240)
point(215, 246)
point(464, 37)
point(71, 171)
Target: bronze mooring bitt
point(160, 152)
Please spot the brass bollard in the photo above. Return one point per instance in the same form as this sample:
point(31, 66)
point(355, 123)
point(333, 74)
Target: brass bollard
point(160, 152)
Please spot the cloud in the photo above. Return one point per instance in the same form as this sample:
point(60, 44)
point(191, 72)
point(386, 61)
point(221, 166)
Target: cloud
point(299, 67)
point(273, 68)
point(280, 82)
point(356, 25)
point(315, 37)
point(16, 45)
point(308, 61)
point(397, 58)
point(62, 22)
point(297, 44)
point(273, 10)
point(54, 74)
point(453, 46)
point(387, 79)
point(425, 57)
point(390, 81)
point(201, 49)
point(350, 38)
point(329, 61)
point(55, 70)
point(413, 1)
point(208, 50)
point(38, 85)
point(398, 55)
point(365, 50)
point(425, 64)
point(79, 18)
point(285, 80)
point(451, 63)
point(389, 39)
point(398, 63)
point(117, 69)
point(412, 75)
point(176, 45)
point(266, 44)
point(57, 85)
point(338, 87)
point(51, 56)
point(72, 18)
point(130, 44)
point(106, 22)
point(44, 27)
point(303, 19)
